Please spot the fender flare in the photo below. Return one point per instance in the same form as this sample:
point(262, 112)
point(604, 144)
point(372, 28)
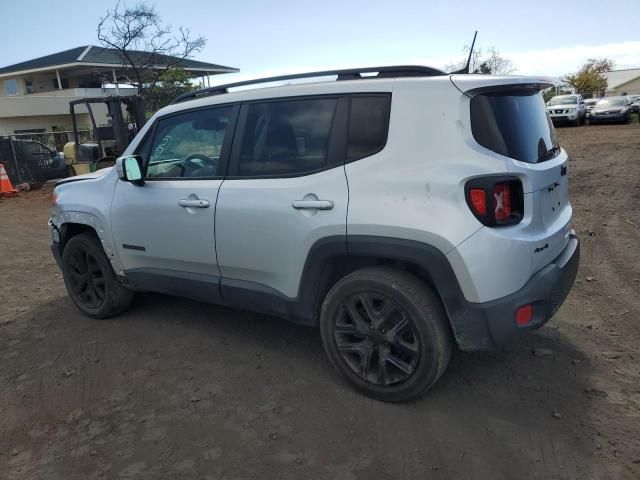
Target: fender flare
point(63, 223)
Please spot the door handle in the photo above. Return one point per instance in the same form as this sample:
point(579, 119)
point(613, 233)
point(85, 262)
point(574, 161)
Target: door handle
point(312, 204)
point(193, 203)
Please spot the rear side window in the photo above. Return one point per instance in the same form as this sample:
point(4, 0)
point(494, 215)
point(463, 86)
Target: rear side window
point(288, 137)
point(514, 124)
point(368, 125)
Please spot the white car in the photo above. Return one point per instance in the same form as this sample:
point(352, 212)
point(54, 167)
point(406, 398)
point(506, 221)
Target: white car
point(567, 109)
point(401, 213)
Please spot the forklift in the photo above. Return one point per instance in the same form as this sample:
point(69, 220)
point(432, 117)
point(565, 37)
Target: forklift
point(125, 118)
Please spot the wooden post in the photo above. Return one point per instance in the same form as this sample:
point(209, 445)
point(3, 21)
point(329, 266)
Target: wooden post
point(59, 81)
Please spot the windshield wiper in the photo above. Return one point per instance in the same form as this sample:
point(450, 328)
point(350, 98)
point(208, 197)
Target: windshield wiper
point(549, 154)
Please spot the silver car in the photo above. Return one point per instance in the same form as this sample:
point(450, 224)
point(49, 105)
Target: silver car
point(400, 212)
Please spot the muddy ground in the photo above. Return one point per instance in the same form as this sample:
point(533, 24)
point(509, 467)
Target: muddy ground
point(177, 389)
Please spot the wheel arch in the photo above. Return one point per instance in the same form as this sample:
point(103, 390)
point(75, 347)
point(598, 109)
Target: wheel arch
point(333, 258)
point(70, 224)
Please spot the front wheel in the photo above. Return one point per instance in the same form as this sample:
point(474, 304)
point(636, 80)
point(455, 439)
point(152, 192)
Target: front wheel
point(386, 331)
point(91, 282)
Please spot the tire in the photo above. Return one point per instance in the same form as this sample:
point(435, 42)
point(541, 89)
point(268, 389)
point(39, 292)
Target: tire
point(91, 282)
point(395, 349)
point(576, 122)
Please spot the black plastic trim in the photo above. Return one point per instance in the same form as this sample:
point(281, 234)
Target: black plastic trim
point(475, 326)
point(205, 288)
point(134, 247)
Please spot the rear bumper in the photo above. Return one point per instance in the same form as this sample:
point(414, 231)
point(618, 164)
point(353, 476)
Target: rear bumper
point(489, 325)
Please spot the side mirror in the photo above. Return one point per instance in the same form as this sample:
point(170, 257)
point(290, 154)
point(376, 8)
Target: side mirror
point(130, 169)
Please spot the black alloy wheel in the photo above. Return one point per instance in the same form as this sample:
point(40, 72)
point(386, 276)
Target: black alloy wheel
point(377, 339)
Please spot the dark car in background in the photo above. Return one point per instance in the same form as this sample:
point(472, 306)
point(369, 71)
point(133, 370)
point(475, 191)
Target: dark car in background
point(30, 160)
point(611, 109)
point(589, 104)
point(635, 103)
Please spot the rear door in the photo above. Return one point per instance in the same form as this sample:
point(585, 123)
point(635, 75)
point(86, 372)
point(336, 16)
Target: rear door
point(511, 120)
point(286, 189)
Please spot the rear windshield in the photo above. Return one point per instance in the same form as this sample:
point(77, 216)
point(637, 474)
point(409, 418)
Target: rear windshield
point(514, 124)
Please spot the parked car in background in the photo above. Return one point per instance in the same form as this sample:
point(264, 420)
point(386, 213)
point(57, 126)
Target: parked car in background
point(589, 104)
point(567, 109)
point(611, 109)
point(393, 277)
point(635, 103)
point(30, 160)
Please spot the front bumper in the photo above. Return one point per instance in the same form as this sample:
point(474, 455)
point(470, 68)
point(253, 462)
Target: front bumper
point(618, 117)
point(489, 325)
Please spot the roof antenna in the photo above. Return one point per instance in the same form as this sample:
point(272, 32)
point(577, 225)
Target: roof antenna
point(465, 69)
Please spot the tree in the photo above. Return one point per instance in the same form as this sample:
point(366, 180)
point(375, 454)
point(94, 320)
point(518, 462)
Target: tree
point(143, 43)
point(490, 63)
point(589, 79)
point(171, 83)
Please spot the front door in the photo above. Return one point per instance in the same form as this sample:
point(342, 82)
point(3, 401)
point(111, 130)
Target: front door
point(164, 230)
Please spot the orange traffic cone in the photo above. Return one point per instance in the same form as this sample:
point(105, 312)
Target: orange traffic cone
point(6, 189)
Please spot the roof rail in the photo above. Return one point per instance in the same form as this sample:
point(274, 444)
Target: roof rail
point(348, 74)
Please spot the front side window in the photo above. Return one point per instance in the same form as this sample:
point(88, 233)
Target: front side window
point(10, 88)
point(188, 145)
point(368, 125)
point(285, 137)
point(514, 124)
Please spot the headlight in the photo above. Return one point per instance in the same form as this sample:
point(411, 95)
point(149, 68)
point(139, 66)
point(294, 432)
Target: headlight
point(571, 110)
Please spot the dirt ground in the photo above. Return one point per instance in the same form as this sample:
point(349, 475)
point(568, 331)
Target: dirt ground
point(177, 389)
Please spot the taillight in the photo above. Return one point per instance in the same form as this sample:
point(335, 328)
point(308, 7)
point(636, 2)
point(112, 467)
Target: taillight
point(495, 201)
point(478, 201)
point(502, 201)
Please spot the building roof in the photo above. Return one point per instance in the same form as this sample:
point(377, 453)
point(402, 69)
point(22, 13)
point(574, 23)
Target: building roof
point(615, 78)
point(90, 55)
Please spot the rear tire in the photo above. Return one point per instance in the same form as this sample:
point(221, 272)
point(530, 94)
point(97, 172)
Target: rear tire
point(386, 332)
point(91, 282)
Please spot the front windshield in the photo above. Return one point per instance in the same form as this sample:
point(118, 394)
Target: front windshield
point(611, 102)
point(570, 100)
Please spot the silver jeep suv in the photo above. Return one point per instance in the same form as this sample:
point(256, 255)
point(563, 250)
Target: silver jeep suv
point(402, 212)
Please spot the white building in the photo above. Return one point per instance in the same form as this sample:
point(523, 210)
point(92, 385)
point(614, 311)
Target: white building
point(35, 94)
point(623, 82)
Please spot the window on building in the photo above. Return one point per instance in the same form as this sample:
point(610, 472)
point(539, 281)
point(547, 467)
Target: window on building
point(11, 87)
point(286, 137)
point(28, 86)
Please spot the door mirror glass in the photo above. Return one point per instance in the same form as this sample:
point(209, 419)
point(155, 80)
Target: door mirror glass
point(129, 169)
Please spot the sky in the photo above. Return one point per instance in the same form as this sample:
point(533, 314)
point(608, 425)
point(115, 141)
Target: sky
point(276, 37)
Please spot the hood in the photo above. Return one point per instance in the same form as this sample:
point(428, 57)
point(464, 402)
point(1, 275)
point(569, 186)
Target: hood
point(562, 107)
point(85, 176)
point(609, 108)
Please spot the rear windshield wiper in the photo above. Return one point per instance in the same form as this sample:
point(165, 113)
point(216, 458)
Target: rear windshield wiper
point(549, 154)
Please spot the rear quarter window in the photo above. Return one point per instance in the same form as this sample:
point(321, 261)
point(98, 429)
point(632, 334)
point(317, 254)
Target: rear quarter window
point(368, 125)
point(514, 124)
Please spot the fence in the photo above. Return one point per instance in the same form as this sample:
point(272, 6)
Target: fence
point(36, 157)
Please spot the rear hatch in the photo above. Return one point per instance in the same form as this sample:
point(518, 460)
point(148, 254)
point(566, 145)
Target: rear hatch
point(509, 118)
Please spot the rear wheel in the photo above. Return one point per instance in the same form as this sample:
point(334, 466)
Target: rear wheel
point(386, 331)
point(91, 282)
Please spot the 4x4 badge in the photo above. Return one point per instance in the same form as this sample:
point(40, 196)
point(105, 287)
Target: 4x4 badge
point(563, 170)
